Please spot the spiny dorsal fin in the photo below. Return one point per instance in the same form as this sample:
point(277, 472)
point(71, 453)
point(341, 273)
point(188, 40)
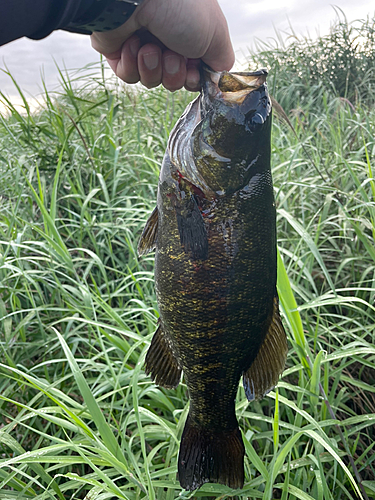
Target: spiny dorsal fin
point(161, 363)
point(148, 239)
point(263, 374)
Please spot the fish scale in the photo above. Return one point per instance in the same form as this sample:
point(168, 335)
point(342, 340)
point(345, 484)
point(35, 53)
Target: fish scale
point(214, 231)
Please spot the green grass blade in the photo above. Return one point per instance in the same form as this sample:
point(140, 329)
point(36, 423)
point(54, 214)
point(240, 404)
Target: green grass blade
point(97, 415)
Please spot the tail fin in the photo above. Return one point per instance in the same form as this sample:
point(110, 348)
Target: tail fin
point(210, 457)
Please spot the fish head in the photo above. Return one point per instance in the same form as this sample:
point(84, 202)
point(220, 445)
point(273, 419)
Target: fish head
point(231, 143)
point(223, 138)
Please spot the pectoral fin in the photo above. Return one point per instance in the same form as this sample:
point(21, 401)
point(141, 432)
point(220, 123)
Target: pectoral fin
point(148, 238)
point(193, 233)
point(161, 363)
point(263, 374)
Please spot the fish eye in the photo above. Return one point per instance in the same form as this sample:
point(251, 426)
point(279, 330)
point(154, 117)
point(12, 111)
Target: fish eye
point(257, 118)
point(254, 119)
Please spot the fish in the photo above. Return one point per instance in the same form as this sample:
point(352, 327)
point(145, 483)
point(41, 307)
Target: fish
point(214, 234)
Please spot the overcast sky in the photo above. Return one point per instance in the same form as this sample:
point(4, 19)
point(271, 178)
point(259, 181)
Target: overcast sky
point(248, 20)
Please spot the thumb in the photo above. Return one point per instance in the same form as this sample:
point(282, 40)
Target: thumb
point(109, 43)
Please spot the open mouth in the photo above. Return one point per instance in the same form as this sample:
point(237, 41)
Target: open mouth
point(234, 87)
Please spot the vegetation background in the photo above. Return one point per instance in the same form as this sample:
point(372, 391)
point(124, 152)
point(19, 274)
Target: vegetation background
point(78, 417)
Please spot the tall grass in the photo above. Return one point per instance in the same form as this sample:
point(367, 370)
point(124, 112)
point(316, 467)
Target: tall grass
point(79, 418)
point(341, 64)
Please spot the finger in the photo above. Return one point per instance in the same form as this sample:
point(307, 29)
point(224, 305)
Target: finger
point(174, 70)
point(150, 65)
point(192, 82)
point(125, 64)
point(220, 54)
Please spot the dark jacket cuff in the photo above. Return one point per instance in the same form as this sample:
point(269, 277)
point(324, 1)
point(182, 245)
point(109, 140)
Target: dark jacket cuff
point(104, 15)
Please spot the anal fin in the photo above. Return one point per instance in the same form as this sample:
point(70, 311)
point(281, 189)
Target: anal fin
point(264, 372)
point(161, 363)
point(148, 238)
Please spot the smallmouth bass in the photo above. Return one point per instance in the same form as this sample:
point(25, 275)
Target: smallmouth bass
point(214, 231)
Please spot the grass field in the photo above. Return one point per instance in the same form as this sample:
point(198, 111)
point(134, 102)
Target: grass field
point(79, 419)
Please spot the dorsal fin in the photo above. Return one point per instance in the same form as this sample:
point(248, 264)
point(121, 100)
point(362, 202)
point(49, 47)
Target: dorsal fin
point(161, 363)
point(147, 241)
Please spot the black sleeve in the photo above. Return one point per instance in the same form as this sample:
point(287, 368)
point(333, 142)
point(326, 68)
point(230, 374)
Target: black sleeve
point(38, 18)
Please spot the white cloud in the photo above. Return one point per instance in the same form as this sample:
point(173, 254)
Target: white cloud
point(250, 8)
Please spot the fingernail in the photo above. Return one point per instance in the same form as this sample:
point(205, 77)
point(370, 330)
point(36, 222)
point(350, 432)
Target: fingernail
point(151, 60)
point(134, 47)
point(193, 79)
point(172, 64)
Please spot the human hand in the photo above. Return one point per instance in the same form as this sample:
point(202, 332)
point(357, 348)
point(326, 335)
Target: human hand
point(164, 42)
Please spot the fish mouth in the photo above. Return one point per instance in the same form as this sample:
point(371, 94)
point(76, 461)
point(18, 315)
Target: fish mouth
point(232, 87)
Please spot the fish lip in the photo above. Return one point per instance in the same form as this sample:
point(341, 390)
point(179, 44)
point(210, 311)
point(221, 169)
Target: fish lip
point(231, 87)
